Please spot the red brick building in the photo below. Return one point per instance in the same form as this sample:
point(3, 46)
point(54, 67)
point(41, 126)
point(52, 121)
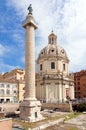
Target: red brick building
point(80, 84)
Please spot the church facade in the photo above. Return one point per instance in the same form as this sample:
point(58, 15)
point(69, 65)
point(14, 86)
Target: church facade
point(53, 83)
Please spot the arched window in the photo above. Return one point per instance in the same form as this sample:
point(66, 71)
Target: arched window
point(8, 86)
point(7, 92)
point(2, 91)
point(52, 65)
point(63, 66)
point(52, 40)
point(2, 85)
point(15, 92)
point(40, 66)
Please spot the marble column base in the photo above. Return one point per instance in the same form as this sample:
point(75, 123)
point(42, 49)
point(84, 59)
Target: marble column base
point(30, 110)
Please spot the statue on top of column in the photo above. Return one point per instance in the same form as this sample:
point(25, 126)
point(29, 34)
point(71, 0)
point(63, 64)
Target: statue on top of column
point(30, 9)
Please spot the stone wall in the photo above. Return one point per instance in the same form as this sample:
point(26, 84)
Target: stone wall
point(6, 124)
point(60, 107)
point(9, 107)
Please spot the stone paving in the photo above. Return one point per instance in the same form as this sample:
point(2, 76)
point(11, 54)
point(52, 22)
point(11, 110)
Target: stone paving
point(78, 123)
point(44, 126)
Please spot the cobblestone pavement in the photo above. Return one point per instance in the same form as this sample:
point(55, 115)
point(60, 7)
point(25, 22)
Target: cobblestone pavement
point(78, 123)
point(62, 126)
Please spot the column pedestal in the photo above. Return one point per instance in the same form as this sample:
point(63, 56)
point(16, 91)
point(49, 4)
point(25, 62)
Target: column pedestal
point(30, 110)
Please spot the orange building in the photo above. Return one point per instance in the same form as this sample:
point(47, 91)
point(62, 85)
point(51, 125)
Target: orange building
point(80, 84)
point(17, 77)
point(16, 74)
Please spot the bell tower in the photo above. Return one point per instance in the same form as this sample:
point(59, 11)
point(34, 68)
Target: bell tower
point(52, 39)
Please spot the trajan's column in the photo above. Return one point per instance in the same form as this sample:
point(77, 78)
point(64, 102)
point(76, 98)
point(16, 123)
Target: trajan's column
point(30, 107)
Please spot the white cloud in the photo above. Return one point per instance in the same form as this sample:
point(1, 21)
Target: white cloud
point(75, 34)
point(68, 20)
point(17, 36)
point(3, 50)
point(5, 67)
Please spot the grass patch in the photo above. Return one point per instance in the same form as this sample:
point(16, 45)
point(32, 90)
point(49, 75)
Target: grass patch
point(72, 115)
point(27, 125)
point(73, 129)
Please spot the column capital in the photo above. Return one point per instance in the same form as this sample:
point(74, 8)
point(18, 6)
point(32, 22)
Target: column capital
point(30, 21)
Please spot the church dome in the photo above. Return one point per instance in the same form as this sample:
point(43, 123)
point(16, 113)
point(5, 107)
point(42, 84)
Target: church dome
point(52, 49)
point(52, 58)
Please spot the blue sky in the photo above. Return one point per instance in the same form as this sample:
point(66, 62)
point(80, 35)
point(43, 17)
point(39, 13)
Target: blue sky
point(65, 17)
